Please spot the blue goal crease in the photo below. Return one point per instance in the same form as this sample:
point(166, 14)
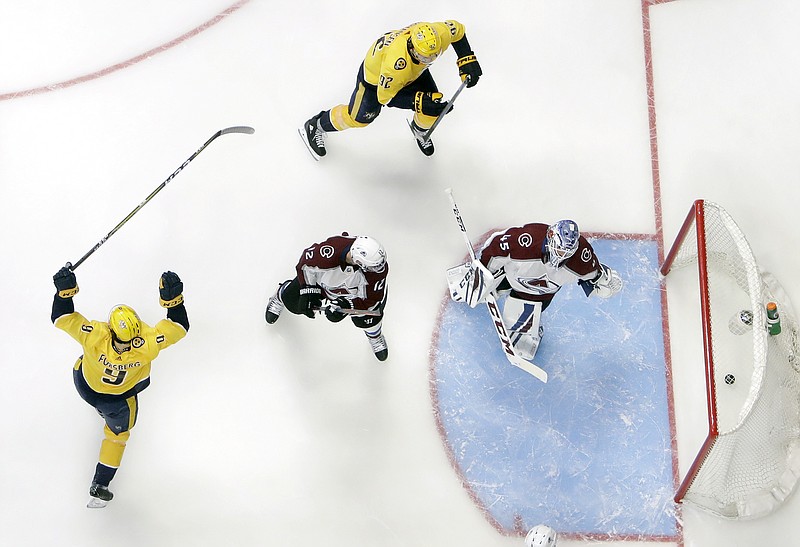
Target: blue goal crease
point(590, 451)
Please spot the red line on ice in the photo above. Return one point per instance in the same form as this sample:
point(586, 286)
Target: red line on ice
point(125, 64)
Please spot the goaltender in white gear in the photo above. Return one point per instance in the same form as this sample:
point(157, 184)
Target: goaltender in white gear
point(530, 264)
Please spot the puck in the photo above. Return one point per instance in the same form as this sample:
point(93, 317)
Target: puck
point(730, 379)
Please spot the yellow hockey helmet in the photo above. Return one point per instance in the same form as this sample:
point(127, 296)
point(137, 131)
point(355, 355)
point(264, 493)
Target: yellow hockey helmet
point(424, 44)
point(124, 323)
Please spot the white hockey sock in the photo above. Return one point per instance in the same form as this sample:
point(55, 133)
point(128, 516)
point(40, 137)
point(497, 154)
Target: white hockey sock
point(374, 331)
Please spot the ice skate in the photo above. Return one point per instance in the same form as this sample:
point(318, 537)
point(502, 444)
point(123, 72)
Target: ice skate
point(314, 137)
point(378, 344)
point(426, 147)
point(274, 307)
point(100, 496)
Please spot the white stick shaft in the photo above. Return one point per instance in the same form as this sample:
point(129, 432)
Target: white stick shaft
point(460, 222)
point(494, 310)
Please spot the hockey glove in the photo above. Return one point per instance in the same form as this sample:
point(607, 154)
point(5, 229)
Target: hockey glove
point(65, 282)
point(469, 68)
point(310, 300)
point(336, 316)
point(429, 103)
point(170, 290)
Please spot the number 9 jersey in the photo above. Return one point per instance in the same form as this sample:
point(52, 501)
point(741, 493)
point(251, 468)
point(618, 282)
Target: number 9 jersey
point(107, 371)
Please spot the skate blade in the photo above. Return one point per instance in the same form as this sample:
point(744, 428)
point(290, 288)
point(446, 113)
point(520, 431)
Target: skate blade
point(302, 134)
point(96, 503)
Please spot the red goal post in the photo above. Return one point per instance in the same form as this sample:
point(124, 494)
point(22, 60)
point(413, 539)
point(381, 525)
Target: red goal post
point(750, 460)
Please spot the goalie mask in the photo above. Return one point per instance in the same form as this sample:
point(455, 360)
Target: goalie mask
point(424, 44)
point(562, 241)
point(368, 254)
point(124, 323)
point(541, 536)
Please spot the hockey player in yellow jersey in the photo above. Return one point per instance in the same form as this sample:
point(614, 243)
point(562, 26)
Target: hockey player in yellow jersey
point(395, 73)
point(115, 365)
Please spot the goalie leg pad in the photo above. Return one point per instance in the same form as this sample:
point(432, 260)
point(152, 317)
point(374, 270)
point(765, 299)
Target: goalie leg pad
point(522, 318)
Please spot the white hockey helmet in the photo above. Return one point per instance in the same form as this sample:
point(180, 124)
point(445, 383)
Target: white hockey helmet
point(541, 536)
point(562, 241)
point(368, 254)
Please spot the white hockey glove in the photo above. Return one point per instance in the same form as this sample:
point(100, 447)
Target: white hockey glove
point(470, 283)
point(608, 283)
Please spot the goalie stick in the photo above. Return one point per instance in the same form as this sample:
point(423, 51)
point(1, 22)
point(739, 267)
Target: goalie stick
point(235, 129)
point(494, 310)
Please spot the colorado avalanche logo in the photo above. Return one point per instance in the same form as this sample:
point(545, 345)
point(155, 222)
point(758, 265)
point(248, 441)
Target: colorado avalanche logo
point(586, 255)
point(525, 240)
point(538, 285)
point(326, 251)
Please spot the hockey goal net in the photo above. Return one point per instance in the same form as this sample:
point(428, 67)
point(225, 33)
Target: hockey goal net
point(750, 460)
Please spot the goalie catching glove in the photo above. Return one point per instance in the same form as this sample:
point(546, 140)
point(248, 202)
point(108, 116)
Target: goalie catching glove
point(470, 283)
point(608, 283)
point(170, 290)
point(65, 282)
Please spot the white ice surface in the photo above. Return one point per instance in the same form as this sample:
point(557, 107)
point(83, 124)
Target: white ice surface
point(294, 434)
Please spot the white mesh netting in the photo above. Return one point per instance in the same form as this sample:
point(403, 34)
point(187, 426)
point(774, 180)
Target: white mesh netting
point(754, 462)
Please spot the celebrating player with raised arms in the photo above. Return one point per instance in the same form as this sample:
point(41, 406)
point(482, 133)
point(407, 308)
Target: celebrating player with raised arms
point(531, 263)
point(115, 365)
point(395, 73)
point(343, 275)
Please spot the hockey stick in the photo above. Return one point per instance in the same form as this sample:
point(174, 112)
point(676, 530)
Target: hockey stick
point(448, 108)
point(349, 311)
point(494, 310)
point(236, 129)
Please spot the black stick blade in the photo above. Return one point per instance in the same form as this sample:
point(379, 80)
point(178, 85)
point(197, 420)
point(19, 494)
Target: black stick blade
point(238, 129)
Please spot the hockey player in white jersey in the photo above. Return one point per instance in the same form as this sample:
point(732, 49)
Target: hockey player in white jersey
point(340, 276)
point(530, 264)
